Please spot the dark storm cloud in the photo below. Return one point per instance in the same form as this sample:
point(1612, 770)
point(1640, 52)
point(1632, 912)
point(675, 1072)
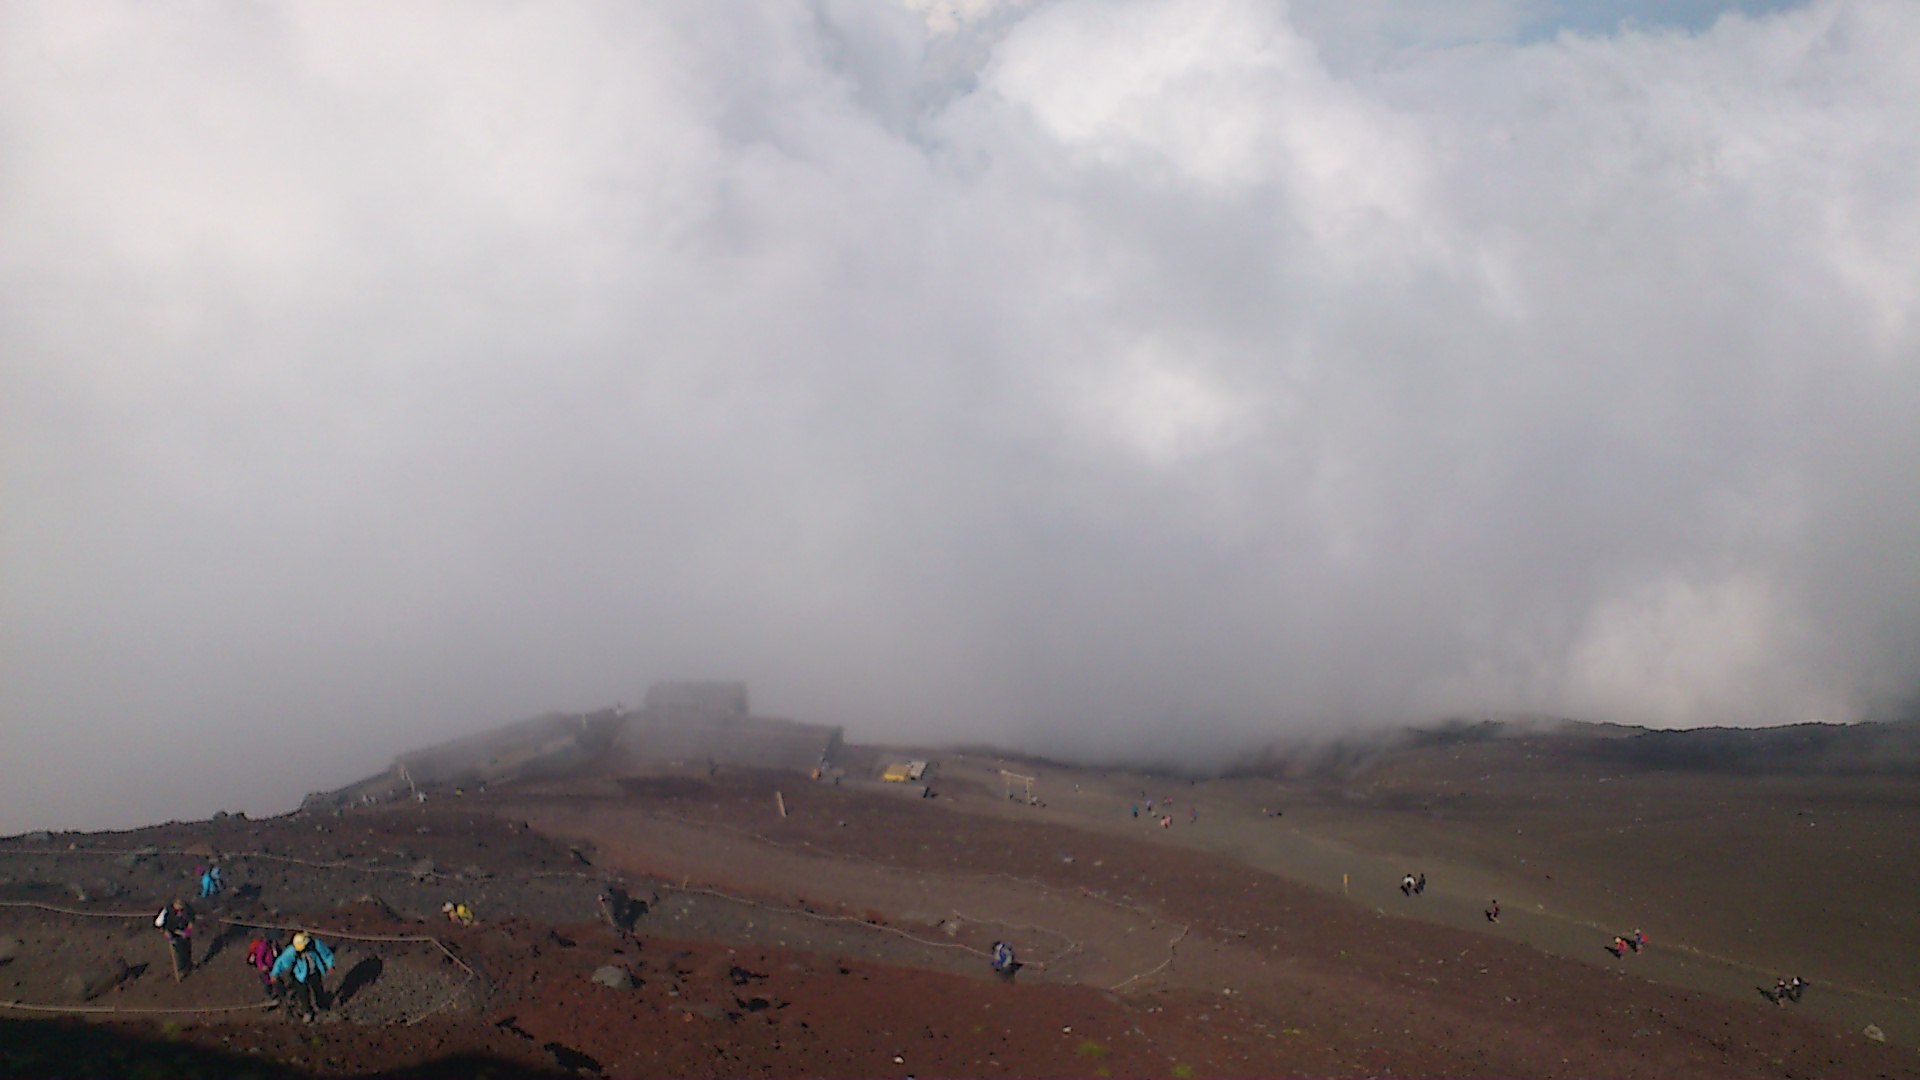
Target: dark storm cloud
point(1094, 377)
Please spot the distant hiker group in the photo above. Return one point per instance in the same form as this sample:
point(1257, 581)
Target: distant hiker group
point(1785, 990)
point(1413, 886)
point(1164, 819)
point(291, 975)
point(1626, 943)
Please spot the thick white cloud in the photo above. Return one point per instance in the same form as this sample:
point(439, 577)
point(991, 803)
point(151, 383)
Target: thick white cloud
point(1104, 377)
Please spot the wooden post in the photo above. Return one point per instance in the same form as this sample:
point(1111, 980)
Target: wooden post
point(780, 801)
point(1010, 777)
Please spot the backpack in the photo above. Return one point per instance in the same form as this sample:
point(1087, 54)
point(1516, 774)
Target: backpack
point(261, 954)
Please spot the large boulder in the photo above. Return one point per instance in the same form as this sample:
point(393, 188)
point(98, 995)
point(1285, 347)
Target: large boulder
point(618, 978)
point(92, 982)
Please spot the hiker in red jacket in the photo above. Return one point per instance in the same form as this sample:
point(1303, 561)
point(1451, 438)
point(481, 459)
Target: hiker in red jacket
point(261, 953)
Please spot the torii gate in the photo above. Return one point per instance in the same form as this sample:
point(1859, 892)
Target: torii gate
point(1010, 777)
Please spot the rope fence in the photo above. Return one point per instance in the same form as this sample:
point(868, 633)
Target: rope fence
point(341, 935)
point(1071, 947)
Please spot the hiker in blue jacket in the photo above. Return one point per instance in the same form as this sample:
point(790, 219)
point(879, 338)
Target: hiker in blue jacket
point(1003, 962)
point(301, 968)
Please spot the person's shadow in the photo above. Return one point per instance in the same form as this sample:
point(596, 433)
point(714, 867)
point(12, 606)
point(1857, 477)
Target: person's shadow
point(219, 942)
point(358, 977)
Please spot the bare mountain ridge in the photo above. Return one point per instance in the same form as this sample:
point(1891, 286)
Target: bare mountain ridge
point(1890, 748)
point(694, 727)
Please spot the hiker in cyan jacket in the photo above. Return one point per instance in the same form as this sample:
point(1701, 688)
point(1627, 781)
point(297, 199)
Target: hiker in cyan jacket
point(301, 969)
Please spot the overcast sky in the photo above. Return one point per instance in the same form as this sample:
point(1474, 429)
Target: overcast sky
point(1093, 377)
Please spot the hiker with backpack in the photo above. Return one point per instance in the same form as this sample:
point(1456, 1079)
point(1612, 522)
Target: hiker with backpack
point(261, 953)
point(301, 971)
point(175, 922)
point(1004, 964)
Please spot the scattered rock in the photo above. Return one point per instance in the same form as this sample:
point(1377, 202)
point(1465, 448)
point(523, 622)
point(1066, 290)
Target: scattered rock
point(10, 948)
point(90, 984)
point(618, 978)
point(423, 869)
point(1873, 1032)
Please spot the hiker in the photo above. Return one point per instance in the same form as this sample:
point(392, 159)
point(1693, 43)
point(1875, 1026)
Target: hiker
point(261, 953)
point(1193, 814)
point(1166, 821)
point(1639, 940)
point(1632, 941)
point(1778, 995)
point(301, 970)
point(1493, 911)
point(1619, 946)
point(1149, 807)
point(1406, 885)
point(1420, 884)
point(1135, 808)
point(1003, 962)
point(176, 923)
point(457, 914)
point(210, 883)
point(1795, 987)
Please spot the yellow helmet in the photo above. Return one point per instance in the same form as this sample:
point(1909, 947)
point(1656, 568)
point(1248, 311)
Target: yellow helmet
point(300, 942)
